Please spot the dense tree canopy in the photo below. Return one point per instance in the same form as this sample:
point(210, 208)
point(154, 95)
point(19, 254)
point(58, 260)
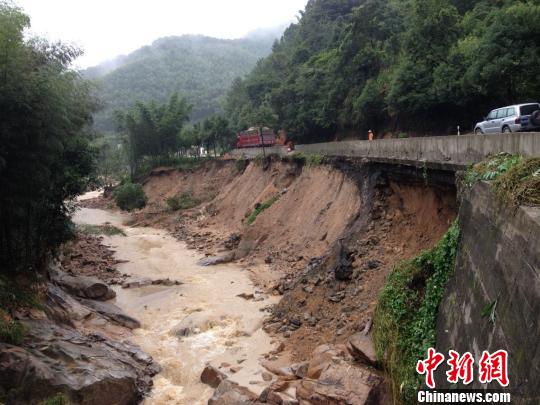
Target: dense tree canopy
point(45, 157)
point(200, 68)
point(415, 65)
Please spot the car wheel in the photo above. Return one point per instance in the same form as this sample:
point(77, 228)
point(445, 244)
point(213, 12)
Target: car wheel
point(478, 131)
point(507, 130)
point(535, 118)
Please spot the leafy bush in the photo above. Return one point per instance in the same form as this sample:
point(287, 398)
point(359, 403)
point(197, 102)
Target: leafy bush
point(260, 208)
point(130, 196)
point(406, 314)
point(183, 201)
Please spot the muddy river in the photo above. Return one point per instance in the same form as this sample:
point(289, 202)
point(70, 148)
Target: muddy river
point(186, 326)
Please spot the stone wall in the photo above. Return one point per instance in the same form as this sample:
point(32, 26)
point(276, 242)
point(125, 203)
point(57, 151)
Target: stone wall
point(493, 300)
point(439, 152)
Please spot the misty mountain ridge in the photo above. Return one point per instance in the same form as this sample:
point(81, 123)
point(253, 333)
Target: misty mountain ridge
point(200, 68)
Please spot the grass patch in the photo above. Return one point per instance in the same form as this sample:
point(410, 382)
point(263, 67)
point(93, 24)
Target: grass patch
point(515, 179)
point(107, 229)
point(11, 331)
point(58, 399)
point(520, 184)
point(260, 208)
point(182, 201)
point(14, 295)
point(406, 314)
point(314, 159)
point(491, 168)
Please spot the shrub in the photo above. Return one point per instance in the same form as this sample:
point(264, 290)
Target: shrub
point(406, 314)
point(183, 201)
point(130, 196)
point(241, 164)
point(314, 159)
point(260, 208)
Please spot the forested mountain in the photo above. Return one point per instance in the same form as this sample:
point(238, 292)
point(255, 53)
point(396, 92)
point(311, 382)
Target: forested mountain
point(197, 67)
point(392, 65)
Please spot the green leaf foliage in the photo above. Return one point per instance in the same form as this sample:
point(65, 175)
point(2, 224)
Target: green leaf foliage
point(45, 154)
point(406, 314)
point(130, 196)
point(424, 66)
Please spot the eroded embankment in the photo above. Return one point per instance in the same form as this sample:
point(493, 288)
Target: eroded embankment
point(327, 239)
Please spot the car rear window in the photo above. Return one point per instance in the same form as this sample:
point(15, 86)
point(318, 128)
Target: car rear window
point(529, 109)
point(510, 112)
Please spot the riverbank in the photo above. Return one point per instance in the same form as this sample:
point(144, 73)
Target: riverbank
point(203, 320)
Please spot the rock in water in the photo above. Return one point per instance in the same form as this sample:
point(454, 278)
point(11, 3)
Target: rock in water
point(212, 376)
point(88, 369)
point(213, 260)
point(112, 312)
point(83, 287)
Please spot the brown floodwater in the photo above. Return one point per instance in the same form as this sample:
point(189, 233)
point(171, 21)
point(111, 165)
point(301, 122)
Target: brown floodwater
point(224, 327)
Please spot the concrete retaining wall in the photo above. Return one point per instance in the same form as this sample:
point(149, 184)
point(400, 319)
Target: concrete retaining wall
point(492, 302)
point(441, 152)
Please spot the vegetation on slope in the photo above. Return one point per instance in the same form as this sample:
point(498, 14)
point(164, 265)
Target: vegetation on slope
point(515, 179)
point(406, 314)
point(260, 208)
point(201, 68)
point(420, 65)
point(45, 157)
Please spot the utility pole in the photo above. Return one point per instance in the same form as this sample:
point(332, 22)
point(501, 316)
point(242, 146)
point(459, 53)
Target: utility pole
point(262, 140)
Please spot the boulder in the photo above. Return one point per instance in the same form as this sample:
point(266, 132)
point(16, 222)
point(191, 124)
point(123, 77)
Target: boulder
point(88, 369)
point(230, 393)
point(342, 383)
point(83, 287)
point(214, 260)
point(62, 307)
point(136, 282)
point(112, 312)
point(361, 348)
point(212, 376)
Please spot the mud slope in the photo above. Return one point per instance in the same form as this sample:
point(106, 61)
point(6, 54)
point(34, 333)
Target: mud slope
point(352, 218)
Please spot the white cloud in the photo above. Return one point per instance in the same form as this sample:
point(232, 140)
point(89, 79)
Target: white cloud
point(107, 28)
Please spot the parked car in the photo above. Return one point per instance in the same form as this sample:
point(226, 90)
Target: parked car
point(513, 118)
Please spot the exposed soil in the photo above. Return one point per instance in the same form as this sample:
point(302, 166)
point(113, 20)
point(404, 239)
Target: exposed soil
point(370, 215)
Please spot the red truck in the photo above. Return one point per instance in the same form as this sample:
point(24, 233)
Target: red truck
point(255, 137)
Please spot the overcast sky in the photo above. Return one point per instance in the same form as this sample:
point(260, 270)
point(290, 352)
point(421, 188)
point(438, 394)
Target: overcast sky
point(107, 28)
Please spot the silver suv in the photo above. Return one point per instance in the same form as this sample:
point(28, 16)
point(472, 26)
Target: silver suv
point(513, 118)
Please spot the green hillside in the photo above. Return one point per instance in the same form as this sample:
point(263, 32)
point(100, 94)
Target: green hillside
point(418, 66)
point(197, 67)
